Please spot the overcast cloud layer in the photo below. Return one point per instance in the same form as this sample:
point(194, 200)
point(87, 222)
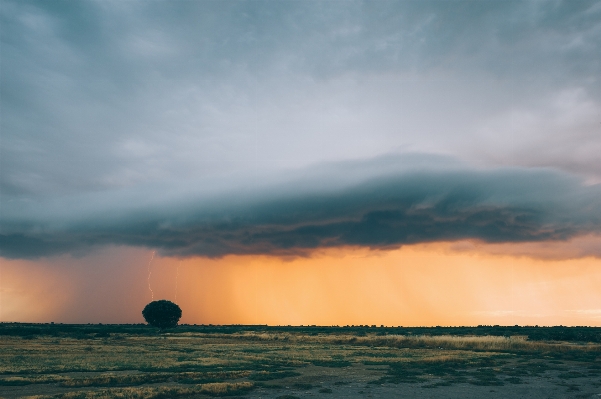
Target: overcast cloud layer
point(181, 125)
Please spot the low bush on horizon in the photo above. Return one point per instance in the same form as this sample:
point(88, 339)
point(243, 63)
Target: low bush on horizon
point(85, 331)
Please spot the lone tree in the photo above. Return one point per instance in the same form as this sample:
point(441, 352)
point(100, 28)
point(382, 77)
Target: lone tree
point(162, 314)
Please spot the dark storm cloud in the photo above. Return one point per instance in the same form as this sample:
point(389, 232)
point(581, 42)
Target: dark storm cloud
point(128, 122)
point(382, 203)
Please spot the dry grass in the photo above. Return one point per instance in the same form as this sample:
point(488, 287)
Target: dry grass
point(35, 379)
point(151, 378)
point(188, 364)
point(211, 389)
point(477, 343)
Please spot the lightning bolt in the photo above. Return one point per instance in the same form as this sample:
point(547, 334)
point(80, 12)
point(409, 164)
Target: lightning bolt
point(176, 276)
point(149, 273)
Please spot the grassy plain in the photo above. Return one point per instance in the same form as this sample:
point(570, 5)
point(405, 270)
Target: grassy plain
point(135, 361)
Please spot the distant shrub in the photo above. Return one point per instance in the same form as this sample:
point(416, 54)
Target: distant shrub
point(162, 314)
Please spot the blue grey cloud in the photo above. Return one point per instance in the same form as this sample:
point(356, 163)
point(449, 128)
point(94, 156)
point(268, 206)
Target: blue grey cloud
point(382, 203)
point(99, 95)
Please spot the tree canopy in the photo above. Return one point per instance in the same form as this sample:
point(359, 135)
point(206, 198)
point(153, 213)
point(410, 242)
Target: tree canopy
point(162, 314)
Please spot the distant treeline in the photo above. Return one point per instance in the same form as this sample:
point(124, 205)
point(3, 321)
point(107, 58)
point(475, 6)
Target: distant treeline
point(557, 333)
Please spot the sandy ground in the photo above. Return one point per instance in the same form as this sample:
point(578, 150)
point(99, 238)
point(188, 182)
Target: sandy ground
point(353, 382)
point(531, 388)
point(356, 385)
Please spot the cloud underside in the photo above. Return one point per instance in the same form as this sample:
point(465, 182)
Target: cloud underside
point(378, 211)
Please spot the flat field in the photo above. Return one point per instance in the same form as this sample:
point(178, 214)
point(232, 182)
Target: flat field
point(135, 361)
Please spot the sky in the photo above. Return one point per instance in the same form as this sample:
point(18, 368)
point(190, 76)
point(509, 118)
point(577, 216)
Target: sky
point(301, 162)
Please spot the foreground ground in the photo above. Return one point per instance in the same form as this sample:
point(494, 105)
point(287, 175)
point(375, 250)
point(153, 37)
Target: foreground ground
point(58, 361)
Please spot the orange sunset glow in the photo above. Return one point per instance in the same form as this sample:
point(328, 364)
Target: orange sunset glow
point(421, 285)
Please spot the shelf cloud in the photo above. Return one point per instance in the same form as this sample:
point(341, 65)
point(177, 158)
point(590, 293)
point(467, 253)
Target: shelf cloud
point(381, 203)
